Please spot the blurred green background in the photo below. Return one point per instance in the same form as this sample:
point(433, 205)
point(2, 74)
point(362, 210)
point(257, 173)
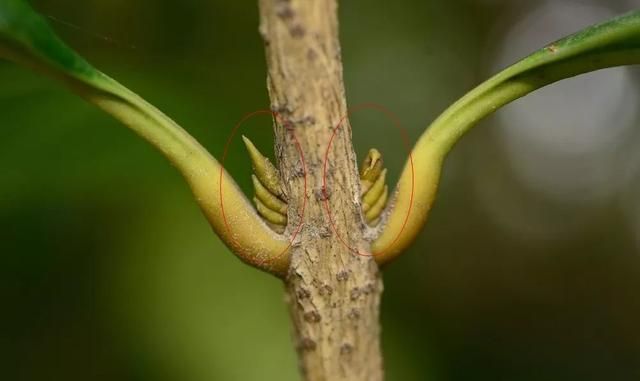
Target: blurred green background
point(529, 268)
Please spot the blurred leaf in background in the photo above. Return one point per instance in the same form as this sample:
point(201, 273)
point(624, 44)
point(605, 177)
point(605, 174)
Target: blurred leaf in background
point(527, 270)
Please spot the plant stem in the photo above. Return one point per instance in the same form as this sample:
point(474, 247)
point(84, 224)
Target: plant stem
point(334, 293)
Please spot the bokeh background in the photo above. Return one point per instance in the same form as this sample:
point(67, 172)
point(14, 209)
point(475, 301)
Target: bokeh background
point(529, 268)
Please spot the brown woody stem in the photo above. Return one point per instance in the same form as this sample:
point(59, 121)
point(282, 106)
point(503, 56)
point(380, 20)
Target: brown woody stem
point(334, 292)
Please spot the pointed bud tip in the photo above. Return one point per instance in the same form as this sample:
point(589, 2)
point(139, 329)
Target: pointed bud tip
point(246, 141)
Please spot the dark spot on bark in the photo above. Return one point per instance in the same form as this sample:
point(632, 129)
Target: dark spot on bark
point(354, 314)
point(284, 11)
point(369, 288)
point(297, 31)
point(325, 289)
point(346, 349)
point(342, 276)
point(355, 293)
point(307, 344)
point(312, 317)
point(303, 293)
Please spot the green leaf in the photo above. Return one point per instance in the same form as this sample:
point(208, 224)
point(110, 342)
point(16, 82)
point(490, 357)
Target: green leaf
point(613, 43)
point(26, 36)
point(27, 39)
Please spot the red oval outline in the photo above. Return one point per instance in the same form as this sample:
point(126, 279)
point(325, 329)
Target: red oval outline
point(403, 133)
point(285, 125)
